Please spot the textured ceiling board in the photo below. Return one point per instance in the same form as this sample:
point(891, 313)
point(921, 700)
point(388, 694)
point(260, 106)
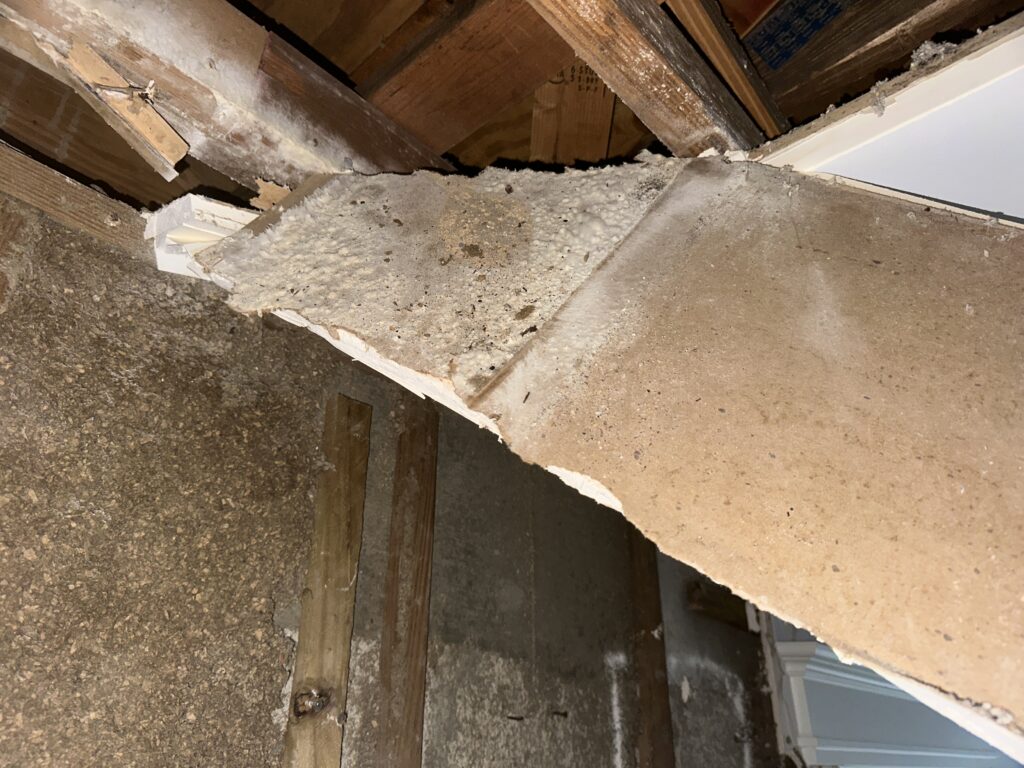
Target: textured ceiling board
point(810, 392)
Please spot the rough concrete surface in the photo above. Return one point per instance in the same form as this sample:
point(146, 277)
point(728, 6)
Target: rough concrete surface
point(157, 455)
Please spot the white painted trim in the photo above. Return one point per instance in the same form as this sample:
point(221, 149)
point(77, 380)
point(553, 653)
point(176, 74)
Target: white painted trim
point(919, 98)
point(189, 225)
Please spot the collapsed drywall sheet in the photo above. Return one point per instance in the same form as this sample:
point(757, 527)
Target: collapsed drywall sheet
point(810, 392)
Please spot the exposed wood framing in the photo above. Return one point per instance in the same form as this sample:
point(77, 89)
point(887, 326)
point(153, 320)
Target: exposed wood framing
point(572, 117)
point(635, 48)
point(865, 42)
point(403, 649)
point(45, 115)
point(704, 21)
point(654, 715)
point(313, 737)
point(126, 109)
point(246, 103)
point(70, 203)
point(473, 65)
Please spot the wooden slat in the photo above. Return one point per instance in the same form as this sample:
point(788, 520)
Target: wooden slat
point(654, 715)
point(484, 60)
point(572, 117)
point(313, 737)
point(125, 110)
point(45, 115)
point(68, 202)
point(225, 96)
point(707, 26)
point(403, 651)
point(637, 50)
point(506, 137)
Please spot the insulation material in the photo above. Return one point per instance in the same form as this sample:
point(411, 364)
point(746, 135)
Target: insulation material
point(807, 391)
point(452, 275)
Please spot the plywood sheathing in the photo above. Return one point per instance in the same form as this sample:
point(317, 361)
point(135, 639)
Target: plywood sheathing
point(807, 391)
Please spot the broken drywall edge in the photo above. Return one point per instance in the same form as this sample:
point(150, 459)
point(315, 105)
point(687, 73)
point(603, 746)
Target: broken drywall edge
point(926, 202)
point(189, 225)
point(418, 383)
point(587, 486)
point(904, 105)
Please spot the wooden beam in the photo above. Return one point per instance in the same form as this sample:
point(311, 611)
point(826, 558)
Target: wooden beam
point(246, 103)
point(403, 649)
point(810, 61)
point(476, 63)
point(70, 203)
point(654, 714)
point(637, 50)
point(313, 737)
point(572, 117)
point(126, 109)
point(711, 31)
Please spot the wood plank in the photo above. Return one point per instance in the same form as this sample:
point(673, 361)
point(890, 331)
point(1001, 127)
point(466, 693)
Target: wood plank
point(223, 98)
point(507, 137)
point(403, 650)
point(650, 65)
point(572, 117)
point(125, 109)
point(421, 26)
point(43, 114)
point(654, 715)
point(313, 737)
point(629, 134)
point(489, 57)
point(361, 28)
point(858, 43)
point(70, 203)
point(707, 26)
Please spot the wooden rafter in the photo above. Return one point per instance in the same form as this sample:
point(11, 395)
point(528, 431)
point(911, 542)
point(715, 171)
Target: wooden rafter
point(246, 102)
point(635, 48)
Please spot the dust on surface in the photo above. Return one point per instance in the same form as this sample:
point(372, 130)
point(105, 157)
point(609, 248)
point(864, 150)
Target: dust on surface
point(157, 456)
point(437, 270)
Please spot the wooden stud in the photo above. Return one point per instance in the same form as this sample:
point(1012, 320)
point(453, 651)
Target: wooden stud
point(70, 203)
point(403, 652)
point(707, 26)
point(313, 737)
point(572, 117)
point(654, 715)
point(650, 65)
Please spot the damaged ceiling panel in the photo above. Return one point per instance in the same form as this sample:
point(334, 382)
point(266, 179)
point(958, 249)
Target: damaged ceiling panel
point(808, 391)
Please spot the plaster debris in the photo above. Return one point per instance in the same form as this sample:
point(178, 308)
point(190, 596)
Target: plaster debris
point(930, 51)
point(467, 268)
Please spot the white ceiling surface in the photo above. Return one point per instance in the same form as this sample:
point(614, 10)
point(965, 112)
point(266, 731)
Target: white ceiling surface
point(969, 152)
point(955, 134)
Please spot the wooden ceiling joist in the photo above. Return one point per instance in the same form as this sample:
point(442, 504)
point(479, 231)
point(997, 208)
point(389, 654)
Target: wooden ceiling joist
point(637, 50)
point(245, 102)
point(471, 65)
point(709, 28)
